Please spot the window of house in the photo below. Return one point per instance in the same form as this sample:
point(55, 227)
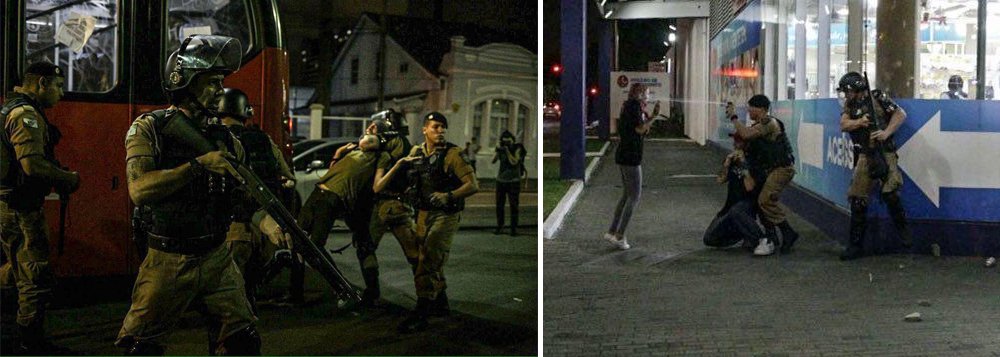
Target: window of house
point(521, 132)
point(500, 119)
point(477, 121)
point(79, 37)
point(404, 67)
point(354, 70)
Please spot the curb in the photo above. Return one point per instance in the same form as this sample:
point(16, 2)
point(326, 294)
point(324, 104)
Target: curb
point(554, 222)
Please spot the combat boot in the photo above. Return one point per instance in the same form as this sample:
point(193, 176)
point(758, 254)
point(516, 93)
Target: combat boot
point(439, 306)
point(788, 237)
point(859, 220)
point(898, 218)
point(417, 321)
point(31, 342)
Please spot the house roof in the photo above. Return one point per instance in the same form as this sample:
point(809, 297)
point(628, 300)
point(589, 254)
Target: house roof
point(428, 40)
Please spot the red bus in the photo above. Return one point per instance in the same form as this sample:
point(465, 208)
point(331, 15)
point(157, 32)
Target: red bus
point(113, 52)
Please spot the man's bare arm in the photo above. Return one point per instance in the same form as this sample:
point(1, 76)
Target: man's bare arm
point(147, 185)
point(37, 166)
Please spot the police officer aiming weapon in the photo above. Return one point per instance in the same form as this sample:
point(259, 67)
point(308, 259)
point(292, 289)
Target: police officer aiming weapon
point(875, 157)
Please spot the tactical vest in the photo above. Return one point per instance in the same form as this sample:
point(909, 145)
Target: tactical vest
point(428, 175)
point(766, 154)
point(201, 208)
point(260, 158)
point(25, 192)
point(862, 137)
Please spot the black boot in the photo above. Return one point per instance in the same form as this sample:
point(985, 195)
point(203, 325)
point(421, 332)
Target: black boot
point(142, 348)
point(417, 321)
point(439, 306)
point(32, 342)
point(858, 224)
point(788, 237)
point(898, 218)
point(373, 293)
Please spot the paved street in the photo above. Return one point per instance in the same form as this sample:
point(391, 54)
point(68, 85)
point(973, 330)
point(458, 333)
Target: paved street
point(670, 294)
point(492, 287)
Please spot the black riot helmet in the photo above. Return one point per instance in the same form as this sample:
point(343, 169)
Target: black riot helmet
point(235, 103)
point(390, 124)
point(198, 54)
point(955, 83)
point(852, 81)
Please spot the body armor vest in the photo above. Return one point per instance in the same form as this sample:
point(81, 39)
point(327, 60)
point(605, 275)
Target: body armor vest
point(260, 158)
point(25, 192)
point(202, 207)
point(765, 154)
point(427, 175)
point(862, 137)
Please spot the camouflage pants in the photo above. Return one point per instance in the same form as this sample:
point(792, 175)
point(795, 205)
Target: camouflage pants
point(250, 251)
point(168, 284)
point(25, 237)
point(770, 193)
point(861, 184)
point(396, 217)
point(435, 230)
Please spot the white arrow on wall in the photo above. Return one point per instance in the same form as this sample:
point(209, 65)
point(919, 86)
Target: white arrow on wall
point(935, 159)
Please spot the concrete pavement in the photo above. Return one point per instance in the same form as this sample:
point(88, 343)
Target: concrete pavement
point(671, 295)
point(492, 288)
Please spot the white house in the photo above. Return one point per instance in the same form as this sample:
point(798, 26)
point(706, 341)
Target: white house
point(483, 80)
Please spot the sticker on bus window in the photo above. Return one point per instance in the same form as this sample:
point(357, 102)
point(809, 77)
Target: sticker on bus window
point(195, 30)
point(76, 30)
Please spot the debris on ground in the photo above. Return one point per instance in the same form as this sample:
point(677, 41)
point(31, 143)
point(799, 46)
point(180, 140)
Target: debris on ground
point(914, 317)
point(924, 303)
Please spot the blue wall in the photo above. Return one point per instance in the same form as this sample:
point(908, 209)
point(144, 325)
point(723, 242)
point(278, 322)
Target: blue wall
point(951, 147)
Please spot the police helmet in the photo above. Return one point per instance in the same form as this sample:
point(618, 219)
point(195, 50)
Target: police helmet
point(198, 54)
point(390, 124)
point(236, 104)
point(852, 81)
point(955, 83)
point(438, 117)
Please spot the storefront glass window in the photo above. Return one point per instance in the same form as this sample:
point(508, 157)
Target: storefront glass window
point(947, 49)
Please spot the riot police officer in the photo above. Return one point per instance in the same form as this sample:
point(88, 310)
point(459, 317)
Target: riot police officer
point(185, 198)
point(250, 253)
point(392, 213)
point(769, 155)
point(871, 118)
point(29, 171)
point(440, 181)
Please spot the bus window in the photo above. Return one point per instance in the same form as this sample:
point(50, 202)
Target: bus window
point(79, 36)
point(207, 17)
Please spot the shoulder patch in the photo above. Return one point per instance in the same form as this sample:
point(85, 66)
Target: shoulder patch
point(30, 122)
point(131, 131)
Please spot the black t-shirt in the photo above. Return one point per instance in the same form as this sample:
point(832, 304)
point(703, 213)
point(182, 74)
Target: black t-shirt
point(629, 151)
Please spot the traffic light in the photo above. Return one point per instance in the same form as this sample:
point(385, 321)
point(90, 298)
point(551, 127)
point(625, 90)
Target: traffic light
point(557, 69)
point(593, 91)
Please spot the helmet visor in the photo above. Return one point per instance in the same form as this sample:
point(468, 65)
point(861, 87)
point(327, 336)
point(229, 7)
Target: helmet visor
point(212, 53)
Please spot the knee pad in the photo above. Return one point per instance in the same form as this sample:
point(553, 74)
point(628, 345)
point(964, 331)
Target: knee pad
point(245, 342)
point(859, 206)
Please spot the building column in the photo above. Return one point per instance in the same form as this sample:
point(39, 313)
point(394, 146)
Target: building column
point(896, 62)
point(823, 51)
point(604, 57)
point(573, 39)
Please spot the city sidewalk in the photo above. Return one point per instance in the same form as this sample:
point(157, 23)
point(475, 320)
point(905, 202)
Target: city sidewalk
point(670, 294)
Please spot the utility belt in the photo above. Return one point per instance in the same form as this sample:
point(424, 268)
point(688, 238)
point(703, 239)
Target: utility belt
point(186, 246)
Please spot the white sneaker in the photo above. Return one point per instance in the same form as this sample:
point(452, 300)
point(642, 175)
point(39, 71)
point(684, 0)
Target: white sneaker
point(766, 247)
point(623, 244)
point(991, 262)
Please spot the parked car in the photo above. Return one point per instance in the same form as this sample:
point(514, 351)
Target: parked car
point(311, 161)
point(552, 111)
